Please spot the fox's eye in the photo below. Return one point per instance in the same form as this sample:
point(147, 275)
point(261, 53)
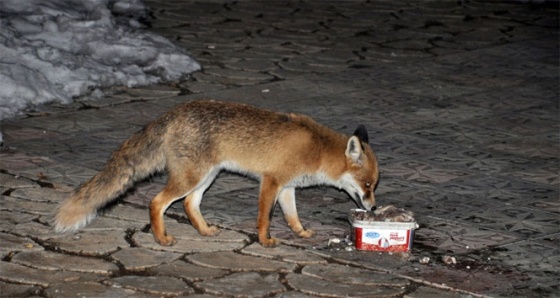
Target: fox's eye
point(368, 184)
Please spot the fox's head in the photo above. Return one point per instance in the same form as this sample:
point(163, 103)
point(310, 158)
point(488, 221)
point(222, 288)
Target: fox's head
point(362, 173)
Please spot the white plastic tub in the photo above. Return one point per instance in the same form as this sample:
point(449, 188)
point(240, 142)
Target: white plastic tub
point(382, 235)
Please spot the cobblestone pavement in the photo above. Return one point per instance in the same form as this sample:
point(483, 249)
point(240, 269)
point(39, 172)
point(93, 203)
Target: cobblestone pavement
point(461, 100)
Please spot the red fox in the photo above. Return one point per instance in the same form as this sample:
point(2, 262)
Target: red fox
point(196, 140)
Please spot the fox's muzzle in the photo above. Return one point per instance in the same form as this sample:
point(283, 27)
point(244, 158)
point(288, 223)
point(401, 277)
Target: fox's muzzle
point(358, 199)
point(368, 202)
point(364, 202)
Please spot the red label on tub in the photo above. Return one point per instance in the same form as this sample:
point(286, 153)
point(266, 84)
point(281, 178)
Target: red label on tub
point(383, 240)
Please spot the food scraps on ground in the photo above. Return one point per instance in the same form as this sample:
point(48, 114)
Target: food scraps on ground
point(449, 260)
point(424, 260)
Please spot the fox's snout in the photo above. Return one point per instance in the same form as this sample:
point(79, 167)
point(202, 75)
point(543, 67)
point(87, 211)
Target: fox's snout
point(368, 201)
point(364, 200)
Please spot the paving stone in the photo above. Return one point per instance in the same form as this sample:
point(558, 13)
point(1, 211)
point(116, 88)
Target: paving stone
point(91, 243)
point(57, 174)
point(385, 54)
point(237, 262)
point(272, 53)
point(341, 55)
point(473, 276)
point(352, 275)
point(544, 253)
point(10, 181)
point(465, 237)
point(311, 67)
point(239, 75)
point(426, 292)
point(286, 74)
point(40, 194)
point(5, 253)
point(419, 45)
point(135, 113)
point(315, 286)
point(15, 134)
point(244, 284)
point(11, 243)
point(158, 285)
point(377, 261)
point(119, 97)
point(438, 89)
point(261, 65)
point(278, 93)
point(187, 271)
point(155, 91)
point(15, 204)
point(125, 212)
point(90, 289)
point(47, 260)
point(188, 232)
point(185, 245)
point(323, 232)
point(14, 162)
point(134, 258)
point(11, 218)
point(284, 253)
point(324, 61)
point(202, 87)
point(226, 81)
point(106, 223)
point(292, 295)
point(15, 273)
point(189, 240)
point(17, 290)
point(35, 229)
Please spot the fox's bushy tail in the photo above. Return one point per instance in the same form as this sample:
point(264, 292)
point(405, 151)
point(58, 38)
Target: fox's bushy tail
point(138, 157)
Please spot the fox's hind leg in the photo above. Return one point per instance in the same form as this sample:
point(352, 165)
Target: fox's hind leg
point(157, 208)
point(177, 187)
point(287, 200)
point(192, 208)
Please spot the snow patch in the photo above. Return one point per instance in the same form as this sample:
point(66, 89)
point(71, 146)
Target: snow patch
point(55, 50)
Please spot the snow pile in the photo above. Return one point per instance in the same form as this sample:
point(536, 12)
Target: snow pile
point(54, 50)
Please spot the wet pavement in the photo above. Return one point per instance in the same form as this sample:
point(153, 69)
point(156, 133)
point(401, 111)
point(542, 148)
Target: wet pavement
point(461, 102)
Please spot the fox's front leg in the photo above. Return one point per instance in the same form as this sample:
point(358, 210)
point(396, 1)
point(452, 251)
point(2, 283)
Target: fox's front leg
point(287, 200)
point(267, 199)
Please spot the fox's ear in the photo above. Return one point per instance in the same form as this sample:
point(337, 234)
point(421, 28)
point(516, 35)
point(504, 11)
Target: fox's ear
point(354, 149)
point(361, 133)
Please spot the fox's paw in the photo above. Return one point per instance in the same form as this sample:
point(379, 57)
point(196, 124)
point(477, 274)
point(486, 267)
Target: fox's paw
point(270, 242)
point(210, 231)
point(167, 240)
point(306, 233)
